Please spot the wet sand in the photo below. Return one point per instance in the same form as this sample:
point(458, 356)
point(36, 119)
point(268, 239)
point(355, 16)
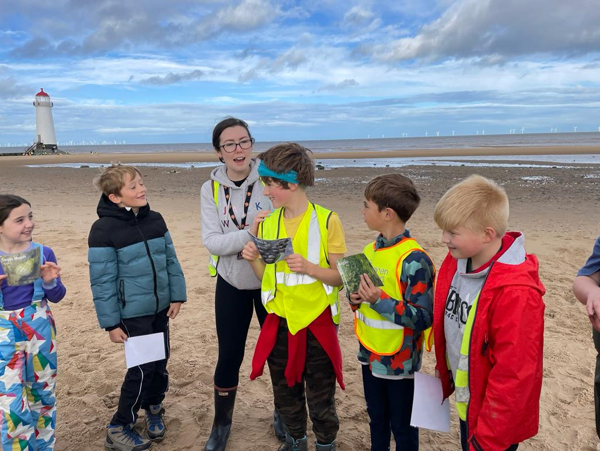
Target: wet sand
point(555, 207)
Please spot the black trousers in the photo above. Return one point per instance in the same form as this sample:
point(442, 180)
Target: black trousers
point(233, 313)
point(389, 405)
point(317, 389)
point(464, 437)
point(596, 336)
point(144, 385)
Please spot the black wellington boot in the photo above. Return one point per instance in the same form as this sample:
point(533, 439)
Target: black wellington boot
point(224, 403)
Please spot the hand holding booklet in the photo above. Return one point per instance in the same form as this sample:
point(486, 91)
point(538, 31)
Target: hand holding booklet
point(273, 251)
point(351, 268)
point(22, 268)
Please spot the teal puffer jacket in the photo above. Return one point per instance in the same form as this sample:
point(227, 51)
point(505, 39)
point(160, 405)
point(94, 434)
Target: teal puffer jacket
point(134, 269)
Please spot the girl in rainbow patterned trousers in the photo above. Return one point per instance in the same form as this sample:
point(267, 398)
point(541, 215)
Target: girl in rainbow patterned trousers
point(27, 331)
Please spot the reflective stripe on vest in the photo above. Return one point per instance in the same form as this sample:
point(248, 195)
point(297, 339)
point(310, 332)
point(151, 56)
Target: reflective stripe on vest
point(375, 332)
point(38, 290)
point(377, 323)
point(213, 260)
point(461, 384)
point(299, 298)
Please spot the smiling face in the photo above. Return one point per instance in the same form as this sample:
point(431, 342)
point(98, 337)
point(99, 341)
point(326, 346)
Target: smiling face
point(18, 226)
point(464, 243)
point(238, 161)
point(133, 193)
point(278, 195)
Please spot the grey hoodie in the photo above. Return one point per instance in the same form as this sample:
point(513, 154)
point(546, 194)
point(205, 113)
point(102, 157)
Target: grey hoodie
point(464, 289)
point(220, 235)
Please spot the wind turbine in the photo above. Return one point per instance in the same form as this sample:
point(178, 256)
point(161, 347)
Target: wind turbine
point(522, 130)
point(453, 131)
point(437, 133)
point(575, 129)
point(426, 134)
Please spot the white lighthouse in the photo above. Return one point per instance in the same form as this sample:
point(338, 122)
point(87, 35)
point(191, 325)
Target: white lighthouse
point(46, 137)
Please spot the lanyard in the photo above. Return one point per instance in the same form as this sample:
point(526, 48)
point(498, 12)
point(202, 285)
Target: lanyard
point(246, 206)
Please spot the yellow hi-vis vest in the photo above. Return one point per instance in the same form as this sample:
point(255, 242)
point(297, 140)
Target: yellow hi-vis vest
point(298, 297)
point(375, 332)
point(213, 260)
point(461, 384)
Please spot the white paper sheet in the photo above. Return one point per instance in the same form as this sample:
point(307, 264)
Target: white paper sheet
point(428, 411)
point(144, 348)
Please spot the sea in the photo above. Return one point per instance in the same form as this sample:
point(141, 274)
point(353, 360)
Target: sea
point(573, 140)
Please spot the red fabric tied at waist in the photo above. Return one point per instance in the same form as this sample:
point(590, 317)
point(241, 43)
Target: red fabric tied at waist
point(324, 331)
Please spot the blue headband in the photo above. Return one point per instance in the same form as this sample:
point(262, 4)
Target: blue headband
point(289, 176)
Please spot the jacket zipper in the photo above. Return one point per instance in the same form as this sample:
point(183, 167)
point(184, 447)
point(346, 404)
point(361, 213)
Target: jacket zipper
point(484, 348)
point(122, 292)
point(151, 264)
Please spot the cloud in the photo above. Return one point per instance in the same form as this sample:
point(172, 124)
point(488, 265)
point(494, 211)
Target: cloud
point(347, 83)
point(247, 15)
point(143, 130)
point(501, 29)
point(357, 16)
point(172, 78)
point(93, 28)
point(11, 89)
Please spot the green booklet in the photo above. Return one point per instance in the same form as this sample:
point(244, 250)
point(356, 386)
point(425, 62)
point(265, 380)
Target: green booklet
point(22, 268)
point(354, 266)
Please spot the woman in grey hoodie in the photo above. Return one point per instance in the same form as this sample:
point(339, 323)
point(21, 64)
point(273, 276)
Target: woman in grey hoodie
point(232, 205)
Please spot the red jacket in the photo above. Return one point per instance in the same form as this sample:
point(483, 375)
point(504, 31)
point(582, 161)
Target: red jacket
point(506, 352)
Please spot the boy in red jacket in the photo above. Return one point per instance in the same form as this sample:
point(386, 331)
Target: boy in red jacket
point(488, 319)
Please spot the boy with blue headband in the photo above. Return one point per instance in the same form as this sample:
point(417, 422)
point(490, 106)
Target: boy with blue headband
point(298, 339)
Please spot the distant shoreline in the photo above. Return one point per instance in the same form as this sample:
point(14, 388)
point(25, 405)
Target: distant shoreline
point(204, 157)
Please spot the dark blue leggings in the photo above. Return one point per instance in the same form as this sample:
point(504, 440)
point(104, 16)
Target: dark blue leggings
point(389, 404)
point(233, 313)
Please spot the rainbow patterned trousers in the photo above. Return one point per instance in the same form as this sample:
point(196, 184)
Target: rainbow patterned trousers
point(27, 378)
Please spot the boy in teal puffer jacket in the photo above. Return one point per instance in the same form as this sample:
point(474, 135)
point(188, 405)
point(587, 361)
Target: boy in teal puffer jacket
point(137, 285)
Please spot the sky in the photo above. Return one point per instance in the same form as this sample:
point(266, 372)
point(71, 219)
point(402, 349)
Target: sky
point(151, 71)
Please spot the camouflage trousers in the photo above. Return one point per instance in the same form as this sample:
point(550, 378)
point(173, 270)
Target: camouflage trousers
point(317, 389)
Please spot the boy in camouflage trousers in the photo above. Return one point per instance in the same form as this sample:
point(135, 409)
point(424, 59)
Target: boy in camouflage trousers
point(300, 293)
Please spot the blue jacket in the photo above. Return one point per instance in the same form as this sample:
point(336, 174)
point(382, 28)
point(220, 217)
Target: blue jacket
point(134, 270)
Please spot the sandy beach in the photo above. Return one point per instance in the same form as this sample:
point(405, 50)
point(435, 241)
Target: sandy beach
point(555, 207)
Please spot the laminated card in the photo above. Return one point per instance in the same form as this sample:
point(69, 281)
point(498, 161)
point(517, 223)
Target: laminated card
point(354, 266)
point(22, 268)
point(273, 251)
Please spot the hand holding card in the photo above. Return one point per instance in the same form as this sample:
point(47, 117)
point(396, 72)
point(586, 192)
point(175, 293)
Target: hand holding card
point(273, 251)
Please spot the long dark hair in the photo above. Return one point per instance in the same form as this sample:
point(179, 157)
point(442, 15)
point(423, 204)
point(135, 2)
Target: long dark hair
point(8, 202)
point(226, 123)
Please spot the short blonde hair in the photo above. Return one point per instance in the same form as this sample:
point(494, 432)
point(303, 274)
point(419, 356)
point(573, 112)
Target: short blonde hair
point(475, 203)
point(112, 178)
